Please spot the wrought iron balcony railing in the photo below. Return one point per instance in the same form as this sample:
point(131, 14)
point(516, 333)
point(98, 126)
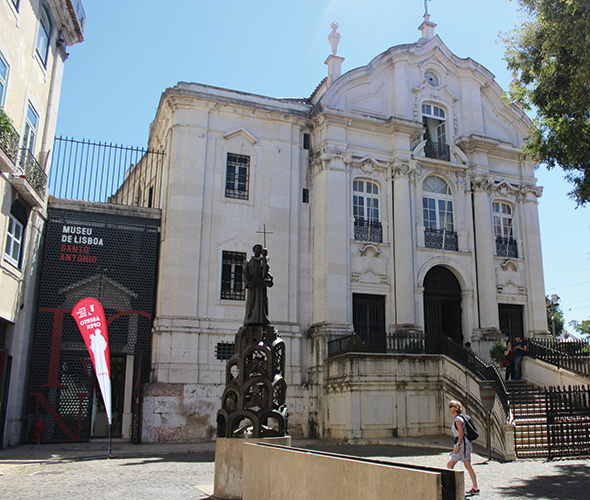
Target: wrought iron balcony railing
point(437, 150)
point(365, 230)
point(506, 247)
point(9, 140)
point(441, 239)
point(30, 169)
point(80, 13)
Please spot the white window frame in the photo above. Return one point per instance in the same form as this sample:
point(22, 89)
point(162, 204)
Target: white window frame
point(365, 200)
point(3, 79)
point(437, 199)
point(14, 241)
point(44, 35)
point(30, 129)
point(503, 220)
point(434, 118)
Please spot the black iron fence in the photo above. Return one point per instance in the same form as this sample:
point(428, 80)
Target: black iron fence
point(568, 421)
point(107, 173)
point(573, 355)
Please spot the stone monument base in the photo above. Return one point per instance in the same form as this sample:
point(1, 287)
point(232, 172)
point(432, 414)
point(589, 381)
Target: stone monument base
point(228, 464)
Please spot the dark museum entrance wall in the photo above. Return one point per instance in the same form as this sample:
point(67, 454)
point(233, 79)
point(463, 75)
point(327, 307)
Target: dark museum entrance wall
point(112, 257)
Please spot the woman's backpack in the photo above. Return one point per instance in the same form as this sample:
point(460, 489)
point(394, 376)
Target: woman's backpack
point(469, 428)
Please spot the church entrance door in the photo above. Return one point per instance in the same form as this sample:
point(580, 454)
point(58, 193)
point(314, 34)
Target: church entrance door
point(442, 308)
point(368, 317)
point(511, 321)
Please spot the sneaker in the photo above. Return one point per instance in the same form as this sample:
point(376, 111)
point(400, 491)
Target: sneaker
point(473, 491)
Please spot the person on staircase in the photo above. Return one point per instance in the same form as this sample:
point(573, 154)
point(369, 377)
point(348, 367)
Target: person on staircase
point(508, 361)
point(520, 350)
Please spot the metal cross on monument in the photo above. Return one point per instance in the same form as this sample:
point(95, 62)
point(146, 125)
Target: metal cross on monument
point(264, 232)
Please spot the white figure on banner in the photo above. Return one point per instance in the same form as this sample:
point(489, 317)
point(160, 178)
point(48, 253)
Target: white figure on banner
point(98, 345)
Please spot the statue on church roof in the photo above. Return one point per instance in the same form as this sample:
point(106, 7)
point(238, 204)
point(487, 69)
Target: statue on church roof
point(334, 37)
point(426, 8)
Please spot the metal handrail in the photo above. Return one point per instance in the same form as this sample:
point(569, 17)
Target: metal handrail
point(573, 356)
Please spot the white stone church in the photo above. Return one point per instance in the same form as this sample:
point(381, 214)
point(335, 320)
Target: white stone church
point(395, 204)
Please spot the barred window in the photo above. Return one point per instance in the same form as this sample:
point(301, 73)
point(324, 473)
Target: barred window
point(232, 281)
point(224, 350)
point(237, 176)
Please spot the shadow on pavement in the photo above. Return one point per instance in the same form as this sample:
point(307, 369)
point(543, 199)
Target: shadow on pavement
point(570, 483)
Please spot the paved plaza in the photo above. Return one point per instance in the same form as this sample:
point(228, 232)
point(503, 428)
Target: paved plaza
point(185, 472)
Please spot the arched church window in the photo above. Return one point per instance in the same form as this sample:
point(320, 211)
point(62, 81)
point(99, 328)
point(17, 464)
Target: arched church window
point(504, 230)
point(437, 206)
point(434, 121)
point(365, 207)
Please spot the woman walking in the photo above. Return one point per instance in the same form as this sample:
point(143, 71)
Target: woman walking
point(463, 447)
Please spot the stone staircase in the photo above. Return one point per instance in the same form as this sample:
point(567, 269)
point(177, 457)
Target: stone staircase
point(530, 419)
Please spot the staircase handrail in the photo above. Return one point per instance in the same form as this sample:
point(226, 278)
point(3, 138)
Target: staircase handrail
point(479, 368)
point(573, 356)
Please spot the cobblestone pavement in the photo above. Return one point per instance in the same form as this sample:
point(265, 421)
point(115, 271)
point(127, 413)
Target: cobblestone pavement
point(185, 472)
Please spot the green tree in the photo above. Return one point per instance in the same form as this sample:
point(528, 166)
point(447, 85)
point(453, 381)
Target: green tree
point(555, 320)
point(550, 56)
point(582, 327)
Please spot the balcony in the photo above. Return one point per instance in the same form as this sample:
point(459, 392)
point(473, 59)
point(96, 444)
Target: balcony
point(9, 140)
point(506, 247)
point(30, 180)
point(437, 150)
point(365, 230)
point(441, 239)
point(79, 12)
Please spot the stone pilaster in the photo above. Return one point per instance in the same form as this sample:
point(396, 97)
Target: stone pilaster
point(403, 242)
point(485, 251)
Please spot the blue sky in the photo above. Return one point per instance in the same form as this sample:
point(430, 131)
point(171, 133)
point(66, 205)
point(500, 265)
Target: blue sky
point(134, 50)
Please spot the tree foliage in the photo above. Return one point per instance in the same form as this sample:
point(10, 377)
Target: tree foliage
point(554, 317)
point(582, 327)
point(550, 56)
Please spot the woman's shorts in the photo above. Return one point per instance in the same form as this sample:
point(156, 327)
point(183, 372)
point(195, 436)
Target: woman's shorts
point(464, 453)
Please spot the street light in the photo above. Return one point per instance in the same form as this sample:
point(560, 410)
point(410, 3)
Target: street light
point(554, 303)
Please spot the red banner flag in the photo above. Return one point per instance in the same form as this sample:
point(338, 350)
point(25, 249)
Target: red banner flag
point(91, 321)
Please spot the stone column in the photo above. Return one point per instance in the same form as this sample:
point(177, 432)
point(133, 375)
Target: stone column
point(403, 244)
point(484, 254)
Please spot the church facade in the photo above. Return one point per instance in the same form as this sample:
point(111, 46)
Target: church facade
point(394, 203)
